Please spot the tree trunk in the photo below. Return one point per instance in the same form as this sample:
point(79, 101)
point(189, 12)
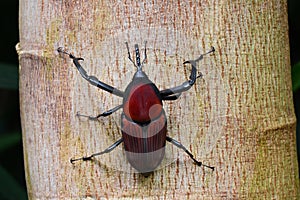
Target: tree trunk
point(239, 117)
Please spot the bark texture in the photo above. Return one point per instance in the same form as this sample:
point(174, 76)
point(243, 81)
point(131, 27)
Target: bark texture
point(239, 117)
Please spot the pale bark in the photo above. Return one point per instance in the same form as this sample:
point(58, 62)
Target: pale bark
point(238, 118)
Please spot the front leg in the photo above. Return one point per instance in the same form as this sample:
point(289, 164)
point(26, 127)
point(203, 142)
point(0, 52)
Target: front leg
point(91, 79)
point(187, 84)
point(171, 97)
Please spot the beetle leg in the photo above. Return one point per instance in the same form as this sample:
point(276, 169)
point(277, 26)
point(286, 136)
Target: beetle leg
point(179, 145)
point(104, 114)
point(171, 97)
point(192, 79)
point(107, 150)
point(91, 79)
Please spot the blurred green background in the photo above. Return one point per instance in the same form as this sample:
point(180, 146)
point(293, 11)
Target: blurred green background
point(12, 177)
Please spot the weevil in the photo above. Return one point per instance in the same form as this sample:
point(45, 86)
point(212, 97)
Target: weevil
point(143, 120)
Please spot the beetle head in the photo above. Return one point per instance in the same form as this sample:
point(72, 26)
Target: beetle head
point(138, 64)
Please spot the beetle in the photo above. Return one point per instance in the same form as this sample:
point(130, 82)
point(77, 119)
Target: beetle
point(143, 120)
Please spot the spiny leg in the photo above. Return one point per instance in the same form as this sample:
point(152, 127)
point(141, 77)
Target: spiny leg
point(105, 114)
point(193, 76)
point(179, 145)
point(192, 79)
point(107, 150)
point(91, 79)
point(201, 56)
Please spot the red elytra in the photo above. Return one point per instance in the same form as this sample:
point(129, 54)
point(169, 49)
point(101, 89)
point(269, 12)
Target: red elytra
point(148, 141)
point(143, 120)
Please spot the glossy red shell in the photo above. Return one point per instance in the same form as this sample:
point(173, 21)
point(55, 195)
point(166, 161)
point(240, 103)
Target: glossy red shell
point(145, 144)
point(142, 102)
